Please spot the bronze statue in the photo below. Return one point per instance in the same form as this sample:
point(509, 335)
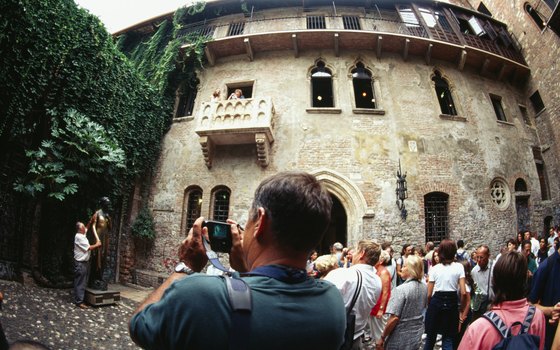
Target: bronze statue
point(100, 224)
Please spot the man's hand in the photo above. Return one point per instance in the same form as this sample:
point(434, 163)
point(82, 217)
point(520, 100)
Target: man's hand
point(236, 256)
point(555, 313)
point(192, 251)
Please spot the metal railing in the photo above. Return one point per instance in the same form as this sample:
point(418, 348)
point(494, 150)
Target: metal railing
point(376, 23)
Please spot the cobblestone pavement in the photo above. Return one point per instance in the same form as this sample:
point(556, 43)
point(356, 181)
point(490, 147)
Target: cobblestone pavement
point(50, 317)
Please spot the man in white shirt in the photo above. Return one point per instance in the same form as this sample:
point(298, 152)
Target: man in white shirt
point(535, 246)
point(82, 250)
point(346, 280)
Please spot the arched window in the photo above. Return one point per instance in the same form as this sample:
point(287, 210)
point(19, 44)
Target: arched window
point(444, 94)
point(436, 217)
point(520, 185)
point(363, 87)
point(535, 16)
point(194, 205)
point(321, 85)
point(220, 204)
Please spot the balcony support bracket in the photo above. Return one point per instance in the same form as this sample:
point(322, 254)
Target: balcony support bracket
point(263, 149)
point(248, 49)
point(209, 55)
point(295, 43)
point(207, 150)
point(462, 60)
point(429, 53)
point(336, 49)
point(379, 44)
point(405, 49)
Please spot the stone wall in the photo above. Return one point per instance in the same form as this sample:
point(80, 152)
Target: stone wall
point(541, 49)
point(356, 155)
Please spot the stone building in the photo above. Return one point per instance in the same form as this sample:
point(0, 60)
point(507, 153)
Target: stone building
point(353, 92)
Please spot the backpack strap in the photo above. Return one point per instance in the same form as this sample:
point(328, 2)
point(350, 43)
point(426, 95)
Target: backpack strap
point(497, 322)
point(528, 319)
point(503, 329)
point(356, 293)
point(240, 298)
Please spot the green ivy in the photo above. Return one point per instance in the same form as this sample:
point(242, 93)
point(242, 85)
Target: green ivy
point(79, 151)
point(55, 56)
point(143, 226)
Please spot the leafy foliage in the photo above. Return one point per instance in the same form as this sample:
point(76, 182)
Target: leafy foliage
point(78, 151)
point(143, 226)
point(57, 57)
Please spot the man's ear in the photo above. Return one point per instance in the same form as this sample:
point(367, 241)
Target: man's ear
point(260, 223)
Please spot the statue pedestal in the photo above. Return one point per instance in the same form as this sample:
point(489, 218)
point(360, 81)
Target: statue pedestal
point(102, 297)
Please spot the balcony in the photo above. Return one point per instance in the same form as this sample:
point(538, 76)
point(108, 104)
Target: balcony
point(380, 33)
point(236, 122)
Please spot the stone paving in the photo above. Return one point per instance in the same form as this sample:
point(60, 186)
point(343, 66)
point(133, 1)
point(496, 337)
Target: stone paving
point(50, 317)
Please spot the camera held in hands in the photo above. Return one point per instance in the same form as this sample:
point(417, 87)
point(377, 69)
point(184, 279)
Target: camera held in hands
point(219, 234)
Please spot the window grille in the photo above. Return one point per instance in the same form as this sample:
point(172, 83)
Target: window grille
point(316, 22)
point(207, 31)
point(221, 205)
point(236, 28)
point(435, 213)
point(351, 22)
point(193, 207)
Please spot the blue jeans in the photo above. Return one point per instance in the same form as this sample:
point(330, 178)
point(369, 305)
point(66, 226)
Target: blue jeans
point(80, 280)
point(442, 318)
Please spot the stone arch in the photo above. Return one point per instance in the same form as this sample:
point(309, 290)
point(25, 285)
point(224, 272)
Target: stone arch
point(351, 198)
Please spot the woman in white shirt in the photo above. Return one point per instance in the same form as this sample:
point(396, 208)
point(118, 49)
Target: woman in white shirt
point(446, 281)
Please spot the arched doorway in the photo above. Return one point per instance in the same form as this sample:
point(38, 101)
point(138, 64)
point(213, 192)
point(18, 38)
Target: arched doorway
point(337, 230)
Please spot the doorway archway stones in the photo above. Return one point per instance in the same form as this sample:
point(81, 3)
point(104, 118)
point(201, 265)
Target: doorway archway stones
point(351, 197)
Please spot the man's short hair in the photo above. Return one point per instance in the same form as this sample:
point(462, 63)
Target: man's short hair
point(486, 247)
point(338, 246)
point(460, 243)
point(79, 225)
point(430, 246)
point(371, 251)
point(298, 206)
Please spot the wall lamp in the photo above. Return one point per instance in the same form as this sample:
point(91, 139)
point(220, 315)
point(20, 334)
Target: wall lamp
point(401, 192)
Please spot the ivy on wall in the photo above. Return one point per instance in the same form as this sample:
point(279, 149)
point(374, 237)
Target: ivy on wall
point(55, 56)
point(79, 118)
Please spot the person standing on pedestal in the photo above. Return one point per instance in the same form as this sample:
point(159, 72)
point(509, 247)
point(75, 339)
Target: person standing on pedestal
point(100, 224)
point(82, 250)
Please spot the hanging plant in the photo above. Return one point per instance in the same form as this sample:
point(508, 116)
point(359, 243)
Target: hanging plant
point(143, 226)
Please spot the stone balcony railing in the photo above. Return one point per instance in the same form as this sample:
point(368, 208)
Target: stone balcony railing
point(236, 122)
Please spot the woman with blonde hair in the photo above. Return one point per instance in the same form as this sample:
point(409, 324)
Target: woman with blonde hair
point(325, 264)
point(405, 325)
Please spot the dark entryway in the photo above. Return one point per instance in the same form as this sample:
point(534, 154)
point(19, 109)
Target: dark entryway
point(337, 229)
point(523, 217)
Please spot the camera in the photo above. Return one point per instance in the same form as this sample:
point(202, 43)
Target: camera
point(219, 234)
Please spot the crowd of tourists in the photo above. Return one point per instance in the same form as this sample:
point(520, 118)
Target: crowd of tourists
point(463, 300)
